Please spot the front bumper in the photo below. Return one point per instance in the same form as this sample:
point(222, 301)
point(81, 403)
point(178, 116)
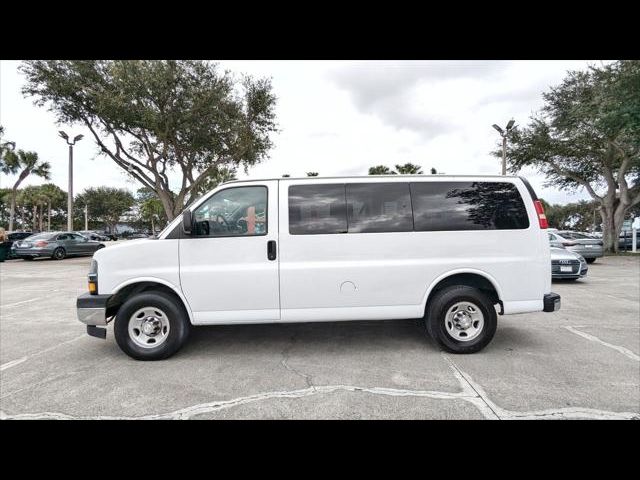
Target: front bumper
point(551, 302)
point(92, 309)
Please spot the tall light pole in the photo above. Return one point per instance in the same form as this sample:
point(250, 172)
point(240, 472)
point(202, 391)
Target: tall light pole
point(77, 138)
point(504, 134)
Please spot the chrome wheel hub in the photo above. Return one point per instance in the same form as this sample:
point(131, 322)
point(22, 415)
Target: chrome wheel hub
point(149, 327)
point(464, 321)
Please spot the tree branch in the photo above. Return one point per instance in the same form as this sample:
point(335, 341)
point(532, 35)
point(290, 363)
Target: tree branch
point(566, 173)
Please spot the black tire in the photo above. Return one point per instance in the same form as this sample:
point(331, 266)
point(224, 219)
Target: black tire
point(28, 258)
point(99, 247)
point(59, 253)
point(179, 325)
point(590, 260)
point(439, 305)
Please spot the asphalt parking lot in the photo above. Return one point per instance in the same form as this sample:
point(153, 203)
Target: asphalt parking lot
point(581, 362)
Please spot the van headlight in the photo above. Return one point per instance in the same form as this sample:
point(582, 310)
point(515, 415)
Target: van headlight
point(93, 278)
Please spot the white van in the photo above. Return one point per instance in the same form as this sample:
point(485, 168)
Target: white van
point(454, 250)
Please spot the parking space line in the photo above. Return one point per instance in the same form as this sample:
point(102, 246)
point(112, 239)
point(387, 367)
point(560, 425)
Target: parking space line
point(30, 300)
point(13, 363)
point(622, 350)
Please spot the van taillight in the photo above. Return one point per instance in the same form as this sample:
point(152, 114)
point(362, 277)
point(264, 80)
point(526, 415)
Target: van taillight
point(542, 218)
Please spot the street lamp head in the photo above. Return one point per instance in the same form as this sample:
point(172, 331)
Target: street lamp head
point(63, 135)
point(510, 124)
point(78, 138)
point(500, 131)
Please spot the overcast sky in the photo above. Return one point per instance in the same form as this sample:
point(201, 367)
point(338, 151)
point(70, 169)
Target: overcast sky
point(339, 118)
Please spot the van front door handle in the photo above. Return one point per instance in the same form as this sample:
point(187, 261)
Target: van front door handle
point(271, 249)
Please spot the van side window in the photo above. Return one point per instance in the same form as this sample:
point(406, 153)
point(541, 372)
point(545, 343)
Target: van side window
point(235, 211)
point(317, 209)
point(379, 207)
point(440, 206)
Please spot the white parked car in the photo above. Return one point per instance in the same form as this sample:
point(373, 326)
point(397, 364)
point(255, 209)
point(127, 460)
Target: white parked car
point(453, 250)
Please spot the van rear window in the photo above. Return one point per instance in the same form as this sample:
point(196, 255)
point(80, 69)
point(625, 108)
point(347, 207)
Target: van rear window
point(404, 207)
point(439, 206)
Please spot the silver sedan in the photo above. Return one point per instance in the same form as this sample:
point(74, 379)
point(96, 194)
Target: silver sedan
point(57, 245)
point(567, 264)
point(590, 248)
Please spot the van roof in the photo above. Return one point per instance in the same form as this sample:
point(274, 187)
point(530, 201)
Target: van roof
point(422, 176)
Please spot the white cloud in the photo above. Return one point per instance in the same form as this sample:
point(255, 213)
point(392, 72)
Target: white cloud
point(340, 118)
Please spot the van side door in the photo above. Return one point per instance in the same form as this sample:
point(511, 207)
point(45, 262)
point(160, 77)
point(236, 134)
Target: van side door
point(229, 262)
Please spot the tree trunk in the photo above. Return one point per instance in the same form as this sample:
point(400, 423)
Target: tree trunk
point(41, 217)
point(612, 220)
point(12, 212)
point(167, 203)
point(35, 218)
point(49, 217)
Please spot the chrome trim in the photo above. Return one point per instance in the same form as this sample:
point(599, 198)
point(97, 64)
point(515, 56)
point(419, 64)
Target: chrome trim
point(92, 316)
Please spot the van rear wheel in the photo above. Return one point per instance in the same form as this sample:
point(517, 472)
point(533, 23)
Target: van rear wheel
point(151, 326)
point(461, 319)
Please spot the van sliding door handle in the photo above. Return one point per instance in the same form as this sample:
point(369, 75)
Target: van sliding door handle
point(271, 249)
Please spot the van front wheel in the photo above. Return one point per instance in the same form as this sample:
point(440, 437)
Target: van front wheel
point(461, 319)
point(151, 326)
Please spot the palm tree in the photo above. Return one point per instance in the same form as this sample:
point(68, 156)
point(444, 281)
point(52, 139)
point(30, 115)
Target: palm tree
point(312, 174)
point(434, 171)
point(5, 146)
point(380, 170)
point(23, 164)
point(409, 169)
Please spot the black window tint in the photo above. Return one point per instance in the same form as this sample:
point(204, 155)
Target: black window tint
point(317, 209)
point(379, 207)
point(467, 206)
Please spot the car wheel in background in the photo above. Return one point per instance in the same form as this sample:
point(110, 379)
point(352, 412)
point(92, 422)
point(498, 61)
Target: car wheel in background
point(28, 258)
point(59, 253)
point(590, 260)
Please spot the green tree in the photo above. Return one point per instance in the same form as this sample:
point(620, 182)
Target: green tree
point(286, 175)
point(150, 209)
point(409, 169)
point(216, 177)
point(4, 147)
point(55, 199)
point(23, 164)
point(154, 117)
point(105, 204)
point(312, 174)
point(434, 171)
point(588, 135)
point(32, 198)
point(380, 170)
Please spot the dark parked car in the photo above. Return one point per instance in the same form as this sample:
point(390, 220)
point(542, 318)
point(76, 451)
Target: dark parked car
point(13, 237)
point(56, 245)
point(93, 235)
point(625, 241)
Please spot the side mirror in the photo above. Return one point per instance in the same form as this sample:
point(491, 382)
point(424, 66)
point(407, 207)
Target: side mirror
point(187, 222)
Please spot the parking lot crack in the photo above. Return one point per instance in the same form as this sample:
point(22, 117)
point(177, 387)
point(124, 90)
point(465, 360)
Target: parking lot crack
point(285, 363)
point(486, 406)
